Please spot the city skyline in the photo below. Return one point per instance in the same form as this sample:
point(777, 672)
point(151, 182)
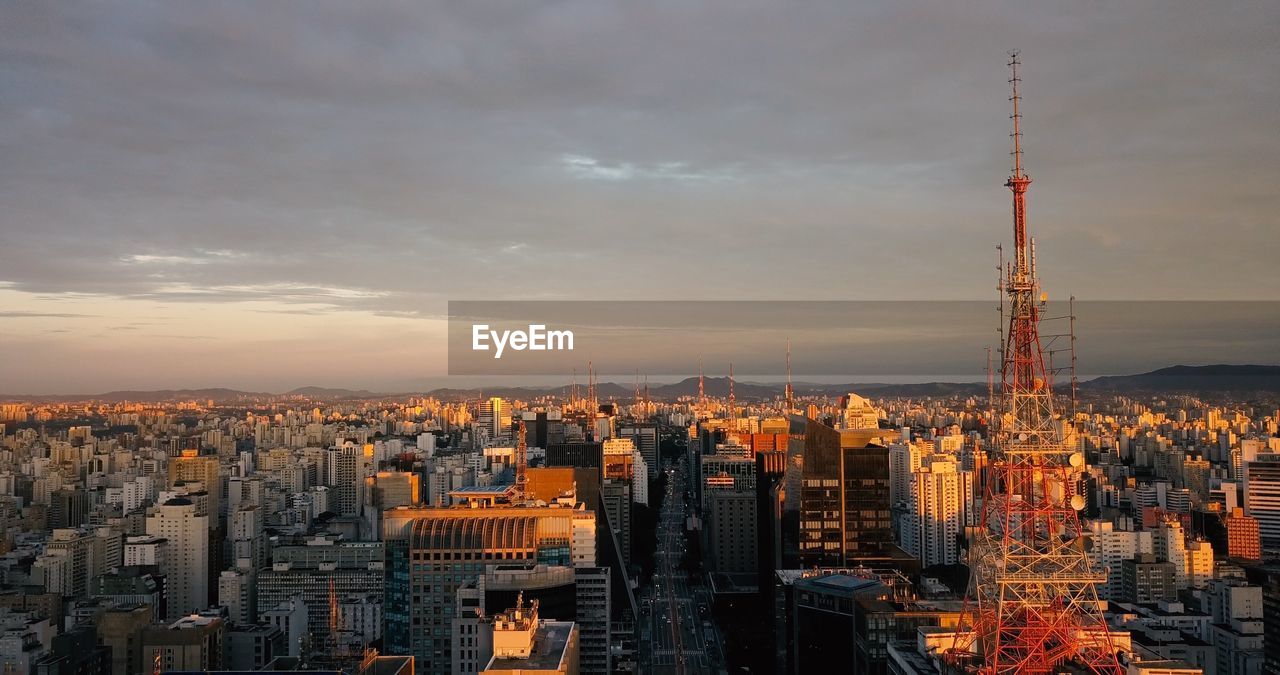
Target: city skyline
point(197, 191)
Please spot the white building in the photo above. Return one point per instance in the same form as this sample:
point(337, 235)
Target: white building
point(1110, 548)
point(935, 513)
point(186, 568)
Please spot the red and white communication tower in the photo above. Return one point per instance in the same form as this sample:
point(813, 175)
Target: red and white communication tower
point(1033, 601)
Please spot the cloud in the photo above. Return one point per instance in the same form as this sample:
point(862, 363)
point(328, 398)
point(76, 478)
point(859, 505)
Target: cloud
point(587, 168)
point(387, 157)
point(19, 314)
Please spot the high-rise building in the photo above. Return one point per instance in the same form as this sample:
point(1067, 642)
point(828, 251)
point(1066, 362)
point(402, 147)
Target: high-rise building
point(68, 508)
point(771, 471)
point(729, 514)
point(579, 595)
point(303, 570)
point(1244, 536)
point(1145, 580)
point(191, 643)
point(77, 546)
point(580, 454)
point(1262, 496)
point(1236, 609)
point(594, 605)
point(845, 516)
point(346, 479)
point(860, 414)
point(494, 418)
point(1111, 547)
point(432, 551)
point(247, 536)
point(184, 524)
point(191, 466)
point(1170, 545)
point(645, 437)
point(904, 461)
point(936, 506)
point(1199, 563)
point(235, 592)
point(120, 629)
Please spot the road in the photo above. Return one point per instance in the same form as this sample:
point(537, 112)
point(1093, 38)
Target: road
point(673, 609)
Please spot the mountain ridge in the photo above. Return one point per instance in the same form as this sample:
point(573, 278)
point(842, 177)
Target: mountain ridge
point(1214, 377)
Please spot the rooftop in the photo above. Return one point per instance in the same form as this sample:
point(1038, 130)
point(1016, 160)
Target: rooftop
point(549, 643)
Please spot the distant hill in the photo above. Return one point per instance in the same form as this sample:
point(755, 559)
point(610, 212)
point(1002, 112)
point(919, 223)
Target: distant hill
point(716, 387)
point(329, 392)
point(1219, 377)
point(1213, 378)
point(219, 394)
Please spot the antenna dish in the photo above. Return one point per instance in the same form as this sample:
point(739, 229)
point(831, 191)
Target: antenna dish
point(1077, 502)
point(1077, 460)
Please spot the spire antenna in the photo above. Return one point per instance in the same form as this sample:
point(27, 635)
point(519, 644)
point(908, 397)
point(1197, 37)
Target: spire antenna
point(1014, 80)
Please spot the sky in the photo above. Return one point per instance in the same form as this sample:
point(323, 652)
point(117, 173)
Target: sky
point(269, 195)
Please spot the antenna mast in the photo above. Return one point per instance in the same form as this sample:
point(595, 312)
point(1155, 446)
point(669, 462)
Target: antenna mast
point(1033, 584)
point(733, 405)
point(591, 389)
point(702, 392)
point(573, 391)
point(521, 461)
point(790, 393)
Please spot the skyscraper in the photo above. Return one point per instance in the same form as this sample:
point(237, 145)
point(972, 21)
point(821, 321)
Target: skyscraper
point(185, 526)
point(844, 501)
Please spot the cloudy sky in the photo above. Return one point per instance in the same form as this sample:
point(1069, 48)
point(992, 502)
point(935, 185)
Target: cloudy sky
point(266, 194)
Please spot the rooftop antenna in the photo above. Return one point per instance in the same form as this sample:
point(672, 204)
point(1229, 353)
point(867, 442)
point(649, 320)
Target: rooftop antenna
point(591, 388)
point(991, 386)
point(733, 405)
point(646, 395)
point(790, 393)
point(522, 461)
point(702, 392)
point(1071, 303)
point(573, 390)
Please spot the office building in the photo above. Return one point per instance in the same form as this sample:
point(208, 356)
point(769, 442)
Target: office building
point(845, 516)
point(729, 514)
point(645, 438)
point(1145, 580)
point(302, 570)
point(1262, 496)
point(431, 552)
